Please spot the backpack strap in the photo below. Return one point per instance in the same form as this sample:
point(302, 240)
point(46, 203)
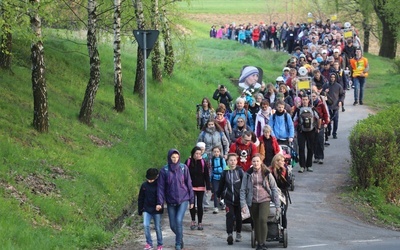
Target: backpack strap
point(203, 162)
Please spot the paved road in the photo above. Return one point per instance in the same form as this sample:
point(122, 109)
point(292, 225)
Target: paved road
point(314, 222)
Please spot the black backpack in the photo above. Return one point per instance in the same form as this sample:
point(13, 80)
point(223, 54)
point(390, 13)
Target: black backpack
point(306, 119)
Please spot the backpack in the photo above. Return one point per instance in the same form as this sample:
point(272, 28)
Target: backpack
point(202, 164)
point(217, 171)
point(180, 164)
point(234, 114)
point(306, 119)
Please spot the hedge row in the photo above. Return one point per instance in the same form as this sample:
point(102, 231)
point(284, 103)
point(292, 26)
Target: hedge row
point(375, 150)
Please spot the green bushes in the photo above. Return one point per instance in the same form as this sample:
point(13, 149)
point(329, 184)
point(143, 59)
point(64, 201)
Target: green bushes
point(374, 148)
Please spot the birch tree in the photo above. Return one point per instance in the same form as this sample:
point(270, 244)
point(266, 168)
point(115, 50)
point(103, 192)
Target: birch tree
point(156, 55)
point(169, 59)
point(119, 98)
point(85, 114)
point(140, 21)
point(39, 88)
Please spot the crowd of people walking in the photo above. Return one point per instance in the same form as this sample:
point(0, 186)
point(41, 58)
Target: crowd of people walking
point(237, 162)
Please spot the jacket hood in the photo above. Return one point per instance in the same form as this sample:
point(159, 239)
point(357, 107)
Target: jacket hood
point(170, 153)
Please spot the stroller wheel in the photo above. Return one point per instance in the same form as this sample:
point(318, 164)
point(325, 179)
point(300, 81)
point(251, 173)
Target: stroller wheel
point(253, 240)
point(285, 238)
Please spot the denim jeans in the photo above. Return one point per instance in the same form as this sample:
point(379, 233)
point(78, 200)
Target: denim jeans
point(358, 83)
point(157, 224)
point(319, 144)
point(215, 185)
point(175, 215)
point(335, 120)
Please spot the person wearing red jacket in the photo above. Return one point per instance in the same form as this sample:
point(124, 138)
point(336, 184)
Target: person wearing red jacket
point(320, 106)
point(268, 147)
point(255, 36)
point(245, 149)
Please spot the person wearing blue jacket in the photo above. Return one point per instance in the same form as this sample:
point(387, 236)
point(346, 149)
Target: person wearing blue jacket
point(240, 111)
point(147, 202)
point(282, 124)
point(175, 189)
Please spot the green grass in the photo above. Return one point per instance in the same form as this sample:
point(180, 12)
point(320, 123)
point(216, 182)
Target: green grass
point(227, 6)
point(101, 180)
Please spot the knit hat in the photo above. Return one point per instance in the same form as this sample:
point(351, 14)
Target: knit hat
point(248, 71)
point(279, 95)
point(201, 145)
point(151, 173)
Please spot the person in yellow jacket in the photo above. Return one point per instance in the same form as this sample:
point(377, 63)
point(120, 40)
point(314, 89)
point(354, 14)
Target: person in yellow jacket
point(360, 68)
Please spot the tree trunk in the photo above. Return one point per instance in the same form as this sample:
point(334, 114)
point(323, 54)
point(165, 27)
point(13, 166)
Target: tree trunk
point(388, 45)
point(5, 45)
point(118, 93)
point(156, 57)
point(39, 89)
point(367, 33)
point(169, 60)
point(139, 81)
point(85, 114)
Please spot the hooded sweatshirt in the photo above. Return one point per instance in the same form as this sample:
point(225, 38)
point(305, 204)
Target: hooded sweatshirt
point(174, 183)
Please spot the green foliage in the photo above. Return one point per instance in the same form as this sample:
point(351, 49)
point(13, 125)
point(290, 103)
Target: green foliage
point(374, 147)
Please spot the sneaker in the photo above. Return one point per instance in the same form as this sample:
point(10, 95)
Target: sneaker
point(159, 248)
point(327, 144)
point(215, 211)
point(230, 239)
point(361, 103)
point(238, 237)
point(200, 227)
point(264, 246)
point(301, 170)
point(193, 225)
point(309, 169)
point(355, 103)
point(259, 247)
point(321, 162)
point(148, 247)
point(316, 160)
point(343, 109)
point(334, 137)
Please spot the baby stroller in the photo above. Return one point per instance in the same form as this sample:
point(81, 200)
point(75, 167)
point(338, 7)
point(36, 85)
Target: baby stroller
point(276, 232)
point(290, 161)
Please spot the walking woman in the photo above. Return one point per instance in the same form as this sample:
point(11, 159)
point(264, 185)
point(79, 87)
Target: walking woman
point(213, 135)
point(258, 189)
point(200, 176)
point(175, 188)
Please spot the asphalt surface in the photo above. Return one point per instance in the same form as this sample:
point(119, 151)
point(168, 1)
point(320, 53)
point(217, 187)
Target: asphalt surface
point(315, 217)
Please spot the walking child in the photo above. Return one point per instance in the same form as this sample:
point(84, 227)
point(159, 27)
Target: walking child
point(218, 165)
point(147, 202)
point(229, 189)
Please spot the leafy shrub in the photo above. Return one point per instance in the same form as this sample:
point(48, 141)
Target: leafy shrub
point(374, 149)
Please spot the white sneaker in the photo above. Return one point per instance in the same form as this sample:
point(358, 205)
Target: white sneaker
point(215, 211)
